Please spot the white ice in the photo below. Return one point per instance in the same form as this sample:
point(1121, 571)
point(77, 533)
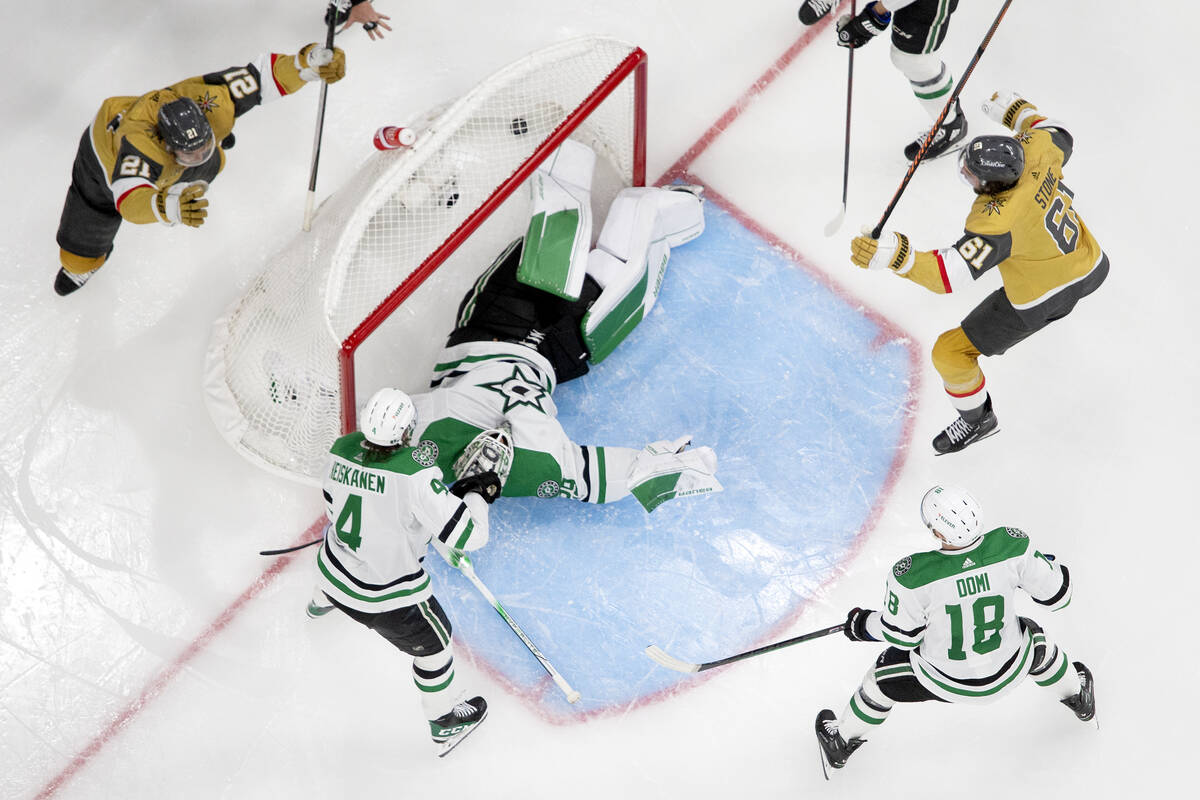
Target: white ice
point(127, 526)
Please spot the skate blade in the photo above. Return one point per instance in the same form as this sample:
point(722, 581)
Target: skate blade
point(445, 747)
point(824, 761)
point(987, 435)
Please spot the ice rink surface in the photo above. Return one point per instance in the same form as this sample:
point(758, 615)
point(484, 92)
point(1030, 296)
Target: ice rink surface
point(146, 651)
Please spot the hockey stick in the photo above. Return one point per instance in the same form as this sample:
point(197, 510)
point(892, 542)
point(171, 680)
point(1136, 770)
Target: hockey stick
point(467, 568)
point(316, 154)
point(283, 550)
point(670, 662)
point(878, 229)
point(832, 226)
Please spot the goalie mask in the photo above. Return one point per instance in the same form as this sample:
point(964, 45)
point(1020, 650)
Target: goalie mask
point(489, 451)
point(952, 514)
point(388, 419)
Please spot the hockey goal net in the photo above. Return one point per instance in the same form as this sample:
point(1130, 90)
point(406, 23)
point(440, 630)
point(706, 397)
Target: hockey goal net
point(368, 296)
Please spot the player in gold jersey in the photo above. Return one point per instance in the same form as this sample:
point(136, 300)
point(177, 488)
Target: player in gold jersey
point(150, 158)
point(1024, 224)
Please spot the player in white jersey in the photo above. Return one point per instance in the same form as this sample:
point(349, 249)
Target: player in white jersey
point(386, 503)
point(951, 621)
point(546, 308)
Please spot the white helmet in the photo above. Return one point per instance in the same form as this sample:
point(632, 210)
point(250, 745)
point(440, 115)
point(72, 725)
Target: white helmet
point(389, 417)
point(952, 514)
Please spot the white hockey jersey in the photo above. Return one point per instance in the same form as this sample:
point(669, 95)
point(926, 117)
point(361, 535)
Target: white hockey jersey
point(383, 514)
point(955, 610)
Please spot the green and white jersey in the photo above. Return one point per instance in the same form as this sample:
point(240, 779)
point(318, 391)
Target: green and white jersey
point(383, 514)
point(479, 385)
point(955, 610)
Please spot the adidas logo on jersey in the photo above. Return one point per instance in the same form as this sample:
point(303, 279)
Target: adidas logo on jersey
point(968, 563)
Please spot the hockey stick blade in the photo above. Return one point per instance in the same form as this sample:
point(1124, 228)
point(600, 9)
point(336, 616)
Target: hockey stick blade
point(834, 224)
point(660, 656)
point(670, 662)
point(283, 550)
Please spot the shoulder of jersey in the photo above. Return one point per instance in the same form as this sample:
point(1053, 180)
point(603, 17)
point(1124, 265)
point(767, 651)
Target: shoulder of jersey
point(405, 461)
point(920, 569)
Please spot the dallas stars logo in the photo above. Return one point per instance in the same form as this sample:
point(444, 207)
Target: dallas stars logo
point(207, 103)
point(518, 389)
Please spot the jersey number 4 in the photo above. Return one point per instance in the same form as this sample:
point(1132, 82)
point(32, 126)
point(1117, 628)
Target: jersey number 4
point(988, 618)
point(349, 522)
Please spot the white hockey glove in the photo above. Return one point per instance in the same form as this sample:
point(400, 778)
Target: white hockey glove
point(182, 202)
point(1007, 108)
point(893, 252)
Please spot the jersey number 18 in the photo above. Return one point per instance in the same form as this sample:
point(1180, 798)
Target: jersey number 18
point(988, 616)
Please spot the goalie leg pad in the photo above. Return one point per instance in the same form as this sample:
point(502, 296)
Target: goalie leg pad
point(630, 260)
point(560, 228)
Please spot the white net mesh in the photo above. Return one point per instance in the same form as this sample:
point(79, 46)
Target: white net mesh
point(272, 376)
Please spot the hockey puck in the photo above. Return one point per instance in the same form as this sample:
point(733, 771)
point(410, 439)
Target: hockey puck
point(519, 126)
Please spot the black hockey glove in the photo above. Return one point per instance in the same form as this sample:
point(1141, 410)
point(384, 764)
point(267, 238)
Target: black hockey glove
point(858, 30)
point(485, 484)
point(856, 625)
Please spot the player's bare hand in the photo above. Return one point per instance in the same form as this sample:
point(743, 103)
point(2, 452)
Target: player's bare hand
point(371, 20)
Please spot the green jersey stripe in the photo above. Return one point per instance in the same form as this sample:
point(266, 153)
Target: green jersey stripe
point(995, 687)
point(349, 592)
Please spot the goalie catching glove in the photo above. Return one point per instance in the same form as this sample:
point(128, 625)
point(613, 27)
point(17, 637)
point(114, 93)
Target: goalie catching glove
point(316, 62)
point(182, 202)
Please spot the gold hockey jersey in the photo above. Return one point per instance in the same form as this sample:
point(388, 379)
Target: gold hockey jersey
point(131, 153)
point(1031, 232)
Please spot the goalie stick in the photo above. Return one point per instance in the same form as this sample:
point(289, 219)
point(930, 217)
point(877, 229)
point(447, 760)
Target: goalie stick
point(467, 568)
point(658, 655)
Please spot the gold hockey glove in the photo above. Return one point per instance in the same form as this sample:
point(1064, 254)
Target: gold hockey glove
point(316, 62)
point(182, 203)
point(893, 251)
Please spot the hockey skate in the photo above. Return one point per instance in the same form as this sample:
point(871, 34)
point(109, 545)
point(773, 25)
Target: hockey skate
point(965, 431)
point(67, 282)
point(1084, 703)
point(835, 751)
point(457, 724)
point(948, 138)
point(813, 10)
point(319, 605)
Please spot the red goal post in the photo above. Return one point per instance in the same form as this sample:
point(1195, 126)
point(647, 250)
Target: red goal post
point(367, 298)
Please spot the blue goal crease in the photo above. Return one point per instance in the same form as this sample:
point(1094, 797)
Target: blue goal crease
point(788, 382)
